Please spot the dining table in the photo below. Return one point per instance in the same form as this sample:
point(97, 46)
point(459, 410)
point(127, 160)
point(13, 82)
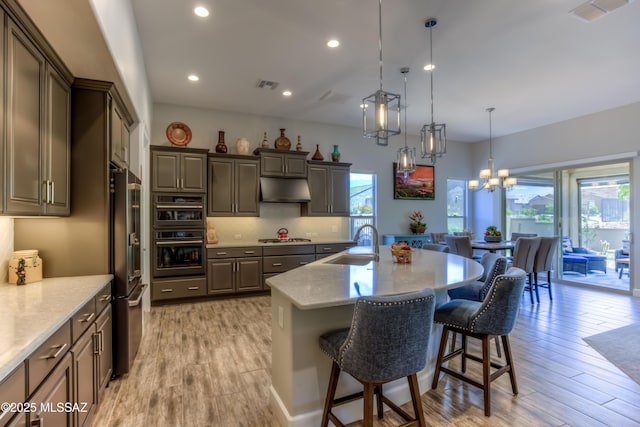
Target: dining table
point(503, 245)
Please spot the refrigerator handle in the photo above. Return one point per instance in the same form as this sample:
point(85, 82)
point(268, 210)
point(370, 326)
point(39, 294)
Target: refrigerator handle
point(137, 301)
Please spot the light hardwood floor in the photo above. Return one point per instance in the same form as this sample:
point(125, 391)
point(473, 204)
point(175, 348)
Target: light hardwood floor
point(208, 364)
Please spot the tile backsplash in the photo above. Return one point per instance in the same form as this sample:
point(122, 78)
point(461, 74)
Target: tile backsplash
point(274, 216)
point(6, 246)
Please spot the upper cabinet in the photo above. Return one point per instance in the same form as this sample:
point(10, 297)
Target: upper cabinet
point(329, 188)
point(36, 111)
point(181, 170)
point(289, 164)
point(120, 140)
point(233, 188)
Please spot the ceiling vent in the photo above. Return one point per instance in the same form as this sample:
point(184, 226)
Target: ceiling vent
point(267, 84)
point(594, 9)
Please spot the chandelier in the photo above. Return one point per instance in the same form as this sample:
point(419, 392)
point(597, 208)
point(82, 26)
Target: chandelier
point(491, 179)
point(376, 121)
point(406, 156)
point(433, 136)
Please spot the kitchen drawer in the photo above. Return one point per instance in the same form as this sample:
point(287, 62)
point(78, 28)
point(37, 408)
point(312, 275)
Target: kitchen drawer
point(283, 249)
point(81, 321)
point(332, 248)
point(103, 298)
point(280, 264)
point(178, 288)
point(13, 390)
point(237, 252)
point(47, 356)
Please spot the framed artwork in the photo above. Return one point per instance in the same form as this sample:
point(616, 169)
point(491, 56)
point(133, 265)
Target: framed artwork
point(419, 185)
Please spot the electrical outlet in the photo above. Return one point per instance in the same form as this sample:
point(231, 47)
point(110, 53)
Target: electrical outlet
point(281, 316)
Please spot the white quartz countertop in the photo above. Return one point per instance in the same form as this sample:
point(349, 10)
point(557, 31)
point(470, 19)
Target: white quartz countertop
point(31, 313)
point(323, 284)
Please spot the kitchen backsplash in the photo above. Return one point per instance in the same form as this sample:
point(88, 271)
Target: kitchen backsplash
point(6, 246)
point(274, 216)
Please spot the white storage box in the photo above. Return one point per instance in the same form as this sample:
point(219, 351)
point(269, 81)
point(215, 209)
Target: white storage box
point(32, 266)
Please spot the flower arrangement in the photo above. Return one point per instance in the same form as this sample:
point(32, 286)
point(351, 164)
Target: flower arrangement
point(417, 224)
point(492, 234)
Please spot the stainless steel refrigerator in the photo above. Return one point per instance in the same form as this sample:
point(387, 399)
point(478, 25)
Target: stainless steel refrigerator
point(127, 288)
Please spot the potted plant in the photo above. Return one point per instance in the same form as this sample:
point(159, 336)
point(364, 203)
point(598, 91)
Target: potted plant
point(417, 224)
point(492, 234)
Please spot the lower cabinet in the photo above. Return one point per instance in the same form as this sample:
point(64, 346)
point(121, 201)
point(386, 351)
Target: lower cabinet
point(280, 258)
point(104, 344)
point(179, 288)
point(84, 370)
point(234, 270)
point(52, 397)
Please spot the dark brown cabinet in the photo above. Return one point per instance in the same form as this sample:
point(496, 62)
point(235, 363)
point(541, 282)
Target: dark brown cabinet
point(13, 390)
point(180, 170)
point(103, 347)
point(54, 392)
point(329, 188)
point(289, 164)
point(184, 287)
point(120, 137)
point(37, 137)
point(84, 376)
point(280, 258)
point(234, 270)
point(233, 186)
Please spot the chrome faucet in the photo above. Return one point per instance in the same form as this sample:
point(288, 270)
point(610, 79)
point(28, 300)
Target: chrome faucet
point(376, 245)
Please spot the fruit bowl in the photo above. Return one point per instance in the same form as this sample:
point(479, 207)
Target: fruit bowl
point(401, 253)
point(493, 239)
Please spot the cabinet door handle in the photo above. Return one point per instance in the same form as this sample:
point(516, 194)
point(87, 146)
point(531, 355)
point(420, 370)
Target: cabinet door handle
point(166, 290)
point(181, 182)
point(277, 264)
point(326, 249)
point(39, 422)
point(303, 263)
point(53, 192)
point(249, 252)
point(87, 318)
point(60, 348)
point(193, 288)
point(221, 253)
point(101, 341)
point(96, 342)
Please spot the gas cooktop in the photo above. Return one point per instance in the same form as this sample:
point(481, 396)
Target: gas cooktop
point(287, 240)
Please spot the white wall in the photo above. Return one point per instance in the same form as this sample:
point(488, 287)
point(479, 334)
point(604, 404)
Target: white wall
point(363, 153)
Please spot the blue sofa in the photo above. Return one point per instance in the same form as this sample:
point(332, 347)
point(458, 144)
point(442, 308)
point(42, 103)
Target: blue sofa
point(581, 260)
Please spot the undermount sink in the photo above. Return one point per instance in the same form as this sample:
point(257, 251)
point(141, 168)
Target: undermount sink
point(353, 259)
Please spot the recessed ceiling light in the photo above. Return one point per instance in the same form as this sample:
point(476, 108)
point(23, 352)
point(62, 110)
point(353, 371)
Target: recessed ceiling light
point(286, 93)
point(429, 67)
point(333, 43)
point(201, 11)
point(193, 77)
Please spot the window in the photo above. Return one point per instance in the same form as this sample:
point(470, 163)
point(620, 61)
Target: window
point(456, 205)
point(530, 206)
point(362, 204)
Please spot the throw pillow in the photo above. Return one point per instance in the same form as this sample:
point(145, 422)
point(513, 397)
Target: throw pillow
point(566, 245)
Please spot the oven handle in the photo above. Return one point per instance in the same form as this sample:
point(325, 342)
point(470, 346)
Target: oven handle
point(179, 207)
point(180, 242)
point(136, 302)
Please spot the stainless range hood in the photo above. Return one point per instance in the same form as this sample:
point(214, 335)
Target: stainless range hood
point(284, 190)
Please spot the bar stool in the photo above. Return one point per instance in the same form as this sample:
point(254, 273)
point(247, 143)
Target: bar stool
point(486, 320)
point(544, 260)
point(387, 340)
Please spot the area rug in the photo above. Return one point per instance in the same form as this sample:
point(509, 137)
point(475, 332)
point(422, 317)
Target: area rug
point(621, 347)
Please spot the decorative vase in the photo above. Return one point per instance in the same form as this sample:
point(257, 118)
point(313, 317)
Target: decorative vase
point(317, 155)
point(299, 144)
point(335, 154)
point(221, 147)
point(282, 142)
point(417, 229)
point(242, 145)
point(265, 141)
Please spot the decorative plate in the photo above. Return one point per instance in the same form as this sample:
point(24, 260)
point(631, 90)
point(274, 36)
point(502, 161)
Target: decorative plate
point(179, 134)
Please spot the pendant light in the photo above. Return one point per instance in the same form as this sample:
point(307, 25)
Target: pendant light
point(406, 163)
point(491, 180)
point(381, 110)
point(433, 136)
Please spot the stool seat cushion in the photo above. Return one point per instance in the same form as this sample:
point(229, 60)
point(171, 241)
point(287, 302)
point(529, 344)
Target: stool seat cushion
point(457, 313)
point(331, 342)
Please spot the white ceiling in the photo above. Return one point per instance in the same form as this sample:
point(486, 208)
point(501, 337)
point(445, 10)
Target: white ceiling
point(531, 60)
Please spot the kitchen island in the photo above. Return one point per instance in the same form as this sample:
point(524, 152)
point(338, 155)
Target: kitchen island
point(311, 300)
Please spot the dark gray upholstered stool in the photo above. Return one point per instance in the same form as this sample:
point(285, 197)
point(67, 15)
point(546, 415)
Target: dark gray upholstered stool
point(435, 247)
point(486, 320)
point(524, 258)
point(494, 265)
point(544, 260)
point(387, 340)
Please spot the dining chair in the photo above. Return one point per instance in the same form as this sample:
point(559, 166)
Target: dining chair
point(494, 317)
point(516, 236)
point(435, 247)
point(524, 256)
point(438, 237)
point(387, 340)
point(459, 245)
point(544, 260)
